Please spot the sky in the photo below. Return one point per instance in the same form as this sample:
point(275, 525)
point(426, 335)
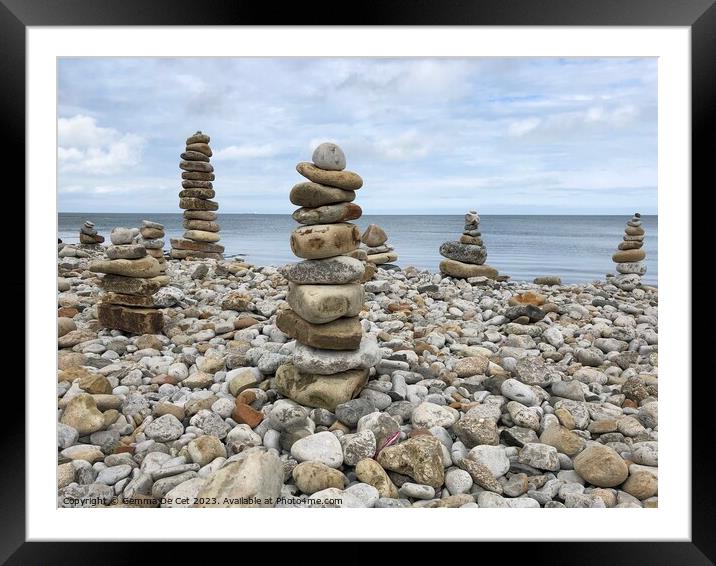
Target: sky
point(427, 135)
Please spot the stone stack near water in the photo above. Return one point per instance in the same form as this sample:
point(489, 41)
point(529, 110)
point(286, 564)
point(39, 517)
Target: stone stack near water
point(151, 236)
point(374, 242)
point(202, 230)
point(630, 256)
point(332, 357)
point(88, 234)
point(466, 258)
point(130, 281)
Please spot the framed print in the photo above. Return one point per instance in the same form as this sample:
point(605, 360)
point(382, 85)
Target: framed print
point(320, 280)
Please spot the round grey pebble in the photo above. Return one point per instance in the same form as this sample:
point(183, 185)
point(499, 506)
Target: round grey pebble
point(165, 428)
point(330, 157)
point(458, 481)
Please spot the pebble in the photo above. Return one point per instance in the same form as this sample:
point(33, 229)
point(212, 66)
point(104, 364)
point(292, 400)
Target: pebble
point(321, 447)
point(416, 491)
point(458, 481)
point(333, 497)
point(601, 466)
point(365, 493)
point(111, 475)
point(428, 415)
point(311, 477)
point(371, 472)
point(358, 446)
point(254, 480)
point(351, 411)
point(518, 391)
point(164, 429)
point(329, 156)
point(540, 456)
point(494, 458)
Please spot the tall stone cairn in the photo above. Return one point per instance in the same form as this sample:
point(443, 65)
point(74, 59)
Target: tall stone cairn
point(131, 277)
point(202, 230)
point(332, 356)
point(629, 257)
point(466, 258)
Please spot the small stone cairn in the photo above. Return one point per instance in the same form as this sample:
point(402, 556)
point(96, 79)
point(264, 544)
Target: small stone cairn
point(629, 257)
point(374, 242)
point(151, 236)
point(466, 258)
point(89, 235)
point(332, 357)
point(202, 230)
point(130, 281)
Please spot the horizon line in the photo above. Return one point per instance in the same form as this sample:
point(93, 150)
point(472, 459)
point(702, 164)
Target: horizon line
point(382, 214)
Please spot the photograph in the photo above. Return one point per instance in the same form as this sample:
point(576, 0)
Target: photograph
point(357, 282)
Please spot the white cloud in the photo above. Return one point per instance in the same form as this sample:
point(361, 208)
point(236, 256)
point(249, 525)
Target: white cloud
point(246, 151)
point(521, 127)
point(575, 122)
point(71, 189)
point(69, 154)
point(82, 131)
point(136, 184)
point(190, 84)
point(85, 147)
point(405, 146)
point(624, 114)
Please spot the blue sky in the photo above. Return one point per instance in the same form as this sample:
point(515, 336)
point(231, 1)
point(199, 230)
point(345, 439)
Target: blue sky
point(428, 135)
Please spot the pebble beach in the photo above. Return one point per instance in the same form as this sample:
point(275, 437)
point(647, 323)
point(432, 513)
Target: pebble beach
point(479, 393)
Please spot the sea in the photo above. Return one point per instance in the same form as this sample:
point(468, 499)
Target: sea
point(576, 248)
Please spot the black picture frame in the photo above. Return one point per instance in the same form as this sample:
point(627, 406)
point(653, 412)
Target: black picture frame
point(698, 15)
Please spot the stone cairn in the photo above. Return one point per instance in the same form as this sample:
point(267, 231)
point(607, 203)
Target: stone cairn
point(202, 230)
point(466, 258)
point(332, 358)
point(88, 234)
point(151, 236)
point(131, 278)
point(629, 256)
point(374, 242)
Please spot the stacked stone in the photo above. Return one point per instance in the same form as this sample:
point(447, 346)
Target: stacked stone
point(130, 281)
point(630, 255)
point(88, 234)
point(202, 230)
point(151, 236)
point(332, 357)
point(374, 242)
point(466, 258)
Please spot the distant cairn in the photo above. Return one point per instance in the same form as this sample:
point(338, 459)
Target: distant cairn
point(466, 258)
point(131, 278)
point(202, 231)
point(89, 235)
point(629, 257)
point(374, 242)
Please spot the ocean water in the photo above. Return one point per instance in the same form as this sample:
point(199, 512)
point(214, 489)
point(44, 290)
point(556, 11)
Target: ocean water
point(577, 248)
